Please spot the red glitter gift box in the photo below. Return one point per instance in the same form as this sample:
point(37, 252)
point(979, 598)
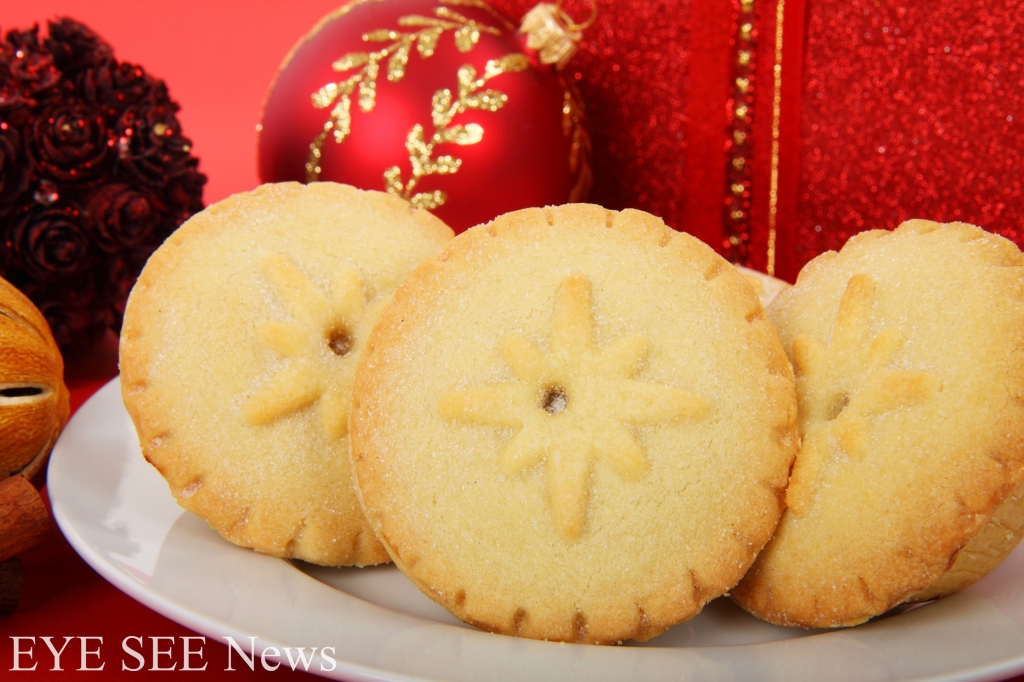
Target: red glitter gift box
point(775, 129)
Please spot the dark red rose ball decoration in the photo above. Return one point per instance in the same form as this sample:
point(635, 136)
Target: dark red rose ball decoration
point(94, 174)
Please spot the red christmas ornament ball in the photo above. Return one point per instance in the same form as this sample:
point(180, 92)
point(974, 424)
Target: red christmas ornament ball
point(432, 100)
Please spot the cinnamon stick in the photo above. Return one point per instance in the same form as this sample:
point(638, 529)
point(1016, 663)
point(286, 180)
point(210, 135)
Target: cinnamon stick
point(23, 518)
point(10, 585)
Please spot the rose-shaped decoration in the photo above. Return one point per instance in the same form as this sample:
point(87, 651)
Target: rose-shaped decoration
point(13, 166)
point(121, 215)
point(150, 145)
point(75, 46)
point(30, 66)
point(112, 86)
point(49, 243)
point(71, 143)
point(15, 110)
point(33, 398)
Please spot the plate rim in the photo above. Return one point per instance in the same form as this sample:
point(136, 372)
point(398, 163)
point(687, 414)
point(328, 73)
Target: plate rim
point(217, 628)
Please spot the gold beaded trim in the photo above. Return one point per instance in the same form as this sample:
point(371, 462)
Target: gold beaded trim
point(773, 196)
point(739, 171)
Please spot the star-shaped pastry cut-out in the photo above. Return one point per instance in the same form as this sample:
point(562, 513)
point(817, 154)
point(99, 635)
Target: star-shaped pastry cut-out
point(572, 404)
point(843, 386)
point(319, 345)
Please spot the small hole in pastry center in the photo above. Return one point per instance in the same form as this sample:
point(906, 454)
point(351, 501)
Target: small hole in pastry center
point(20, 391)
point(838, 404)
point(555, 400)
point(340, 342)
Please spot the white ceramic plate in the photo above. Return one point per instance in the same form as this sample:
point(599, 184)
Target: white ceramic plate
point(118, 514)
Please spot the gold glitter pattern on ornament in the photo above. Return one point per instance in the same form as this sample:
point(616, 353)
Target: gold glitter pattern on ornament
point(318, 344)
point(471, 95)
point(395, 56)
point(571, 405)
point(843, 386)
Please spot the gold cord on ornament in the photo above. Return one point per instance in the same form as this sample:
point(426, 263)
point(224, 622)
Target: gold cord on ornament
point(571, 24)
point(553, 33)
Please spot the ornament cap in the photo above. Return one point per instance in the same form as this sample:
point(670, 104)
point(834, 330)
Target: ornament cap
point(553, 34)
